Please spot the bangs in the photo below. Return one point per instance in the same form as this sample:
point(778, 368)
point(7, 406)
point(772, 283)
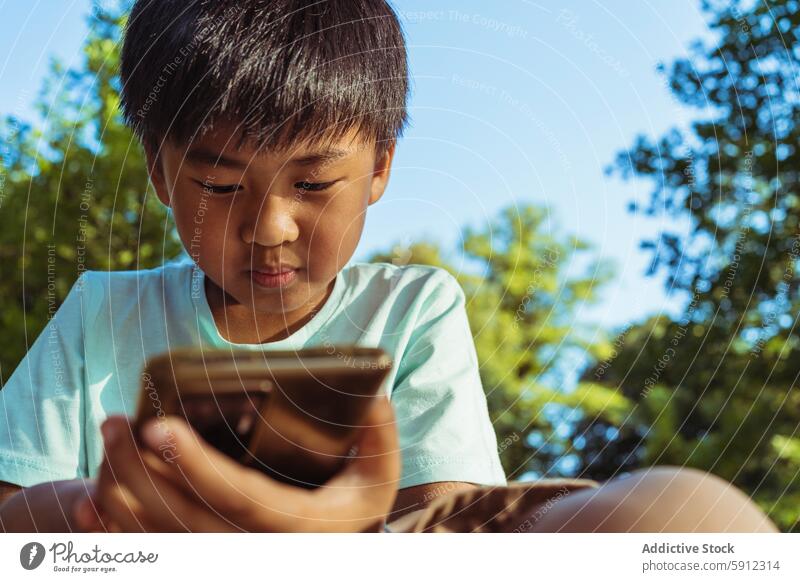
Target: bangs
point(280, 71)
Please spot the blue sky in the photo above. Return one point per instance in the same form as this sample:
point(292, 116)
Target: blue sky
point(513, 102)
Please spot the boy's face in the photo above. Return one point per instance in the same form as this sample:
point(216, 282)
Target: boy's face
point(244, 214)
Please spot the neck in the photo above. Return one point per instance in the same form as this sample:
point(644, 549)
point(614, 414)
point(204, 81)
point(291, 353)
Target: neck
point(240, 323)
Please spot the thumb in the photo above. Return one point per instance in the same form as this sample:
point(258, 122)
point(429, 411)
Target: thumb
point(375, 468)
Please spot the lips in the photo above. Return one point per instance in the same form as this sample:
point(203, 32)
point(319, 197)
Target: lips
point(271, 277)
point(274, 270)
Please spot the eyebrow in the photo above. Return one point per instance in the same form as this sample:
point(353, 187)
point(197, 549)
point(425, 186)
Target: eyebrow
point(326, 156)
point(205, 156)
point(201, 155)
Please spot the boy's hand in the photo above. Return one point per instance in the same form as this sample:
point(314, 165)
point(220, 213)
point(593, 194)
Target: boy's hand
point(197, 488)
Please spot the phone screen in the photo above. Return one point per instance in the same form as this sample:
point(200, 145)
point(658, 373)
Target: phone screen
point(225, 421)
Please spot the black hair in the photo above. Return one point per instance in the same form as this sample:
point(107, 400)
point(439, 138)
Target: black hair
point(281, 70)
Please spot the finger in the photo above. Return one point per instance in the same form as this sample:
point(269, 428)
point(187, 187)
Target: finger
point(365, 490)
point(91, 518)
point(122, 467)
point(124, 511)
point(124, 463)
point(184, 514)
point(120, 512)
point(172, 511)
point(139, 472)
point(123, 450)
point(104, 481)
point(377, 460)
point(88, 516)
point(235, 492)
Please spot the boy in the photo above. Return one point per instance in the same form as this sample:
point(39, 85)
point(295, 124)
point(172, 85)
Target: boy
point(269, 129)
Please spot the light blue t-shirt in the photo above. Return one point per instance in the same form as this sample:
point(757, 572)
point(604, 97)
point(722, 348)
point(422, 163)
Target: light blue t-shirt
point(88, 361)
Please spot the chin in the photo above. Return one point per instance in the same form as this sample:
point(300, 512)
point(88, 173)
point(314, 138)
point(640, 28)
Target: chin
point(276, 301)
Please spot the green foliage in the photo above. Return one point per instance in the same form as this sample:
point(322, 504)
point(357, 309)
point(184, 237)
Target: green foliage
point(716, 388)
point(75, 196)
point(521, 305)
point(73, 193)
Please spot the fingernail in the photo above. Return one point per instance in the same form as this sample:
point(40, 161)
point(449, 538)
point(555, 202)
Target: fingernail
point(155, 433)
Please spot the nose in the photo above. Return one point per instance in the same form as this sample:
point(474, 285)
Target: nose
point(271, 224)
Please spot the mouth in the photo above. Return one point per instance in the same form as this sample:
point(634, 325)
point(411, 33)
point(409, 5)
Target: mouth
point(273, 277)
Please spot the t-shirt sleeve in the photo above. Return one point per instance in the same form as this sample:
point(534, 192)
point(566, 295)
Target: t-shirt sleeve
point(443, 421)
point(41, 404)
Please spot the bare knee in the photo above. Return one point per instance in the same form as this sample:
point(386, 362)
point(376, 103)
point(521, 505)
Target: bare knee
point(682, 499)
point(660, 499)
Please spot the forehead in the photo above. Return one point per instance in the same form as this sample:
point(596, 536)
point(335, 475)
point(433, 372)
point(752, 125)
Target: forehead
point(224, 146)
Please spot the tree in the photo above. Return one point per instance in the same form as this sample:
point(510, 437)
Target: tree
point(522, 308)
point(74, 195)
point(716, 388)
point(73, 192)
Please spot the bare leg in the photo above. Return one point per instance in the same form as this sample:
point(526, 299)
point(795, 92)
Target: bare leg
point(661, 499)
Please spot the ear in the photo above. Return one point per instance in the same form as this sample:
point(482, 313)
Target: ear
point(155, 170)
point(380, 174)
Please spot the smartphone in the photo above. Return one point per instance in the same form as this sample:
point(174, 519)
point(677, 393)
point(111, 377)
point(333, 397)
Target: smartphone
point(295, 415)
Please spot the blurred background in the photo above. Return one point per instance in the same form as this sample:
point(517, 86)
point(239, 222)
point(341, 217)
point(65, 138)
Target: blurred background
point(615, 185)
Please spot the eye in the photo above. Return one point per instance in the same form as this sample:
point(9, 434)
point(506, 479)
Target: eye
point(314, 186)
point(219, 188)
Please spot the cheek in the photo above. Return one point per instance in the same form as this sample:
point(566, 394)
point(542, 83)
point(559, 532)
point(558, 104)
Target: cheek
point(334, 238)
point(203, 224)
point(333, 233)
point(350, 236)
